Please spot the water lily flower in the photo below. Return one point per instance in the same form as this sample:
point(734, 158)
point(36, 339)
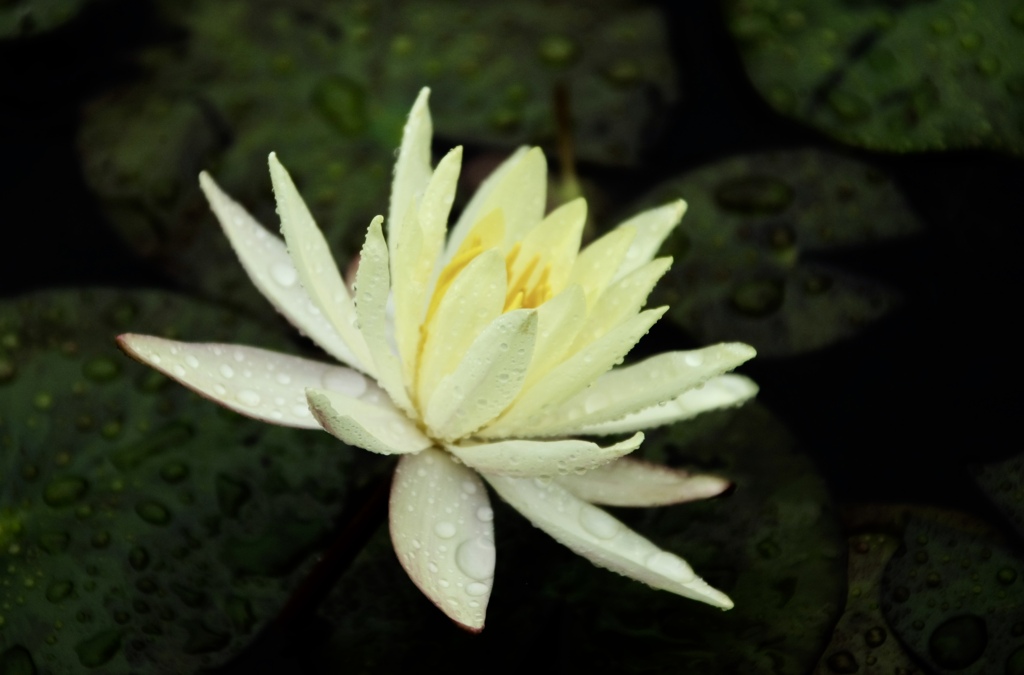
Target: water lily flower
point(476, 356)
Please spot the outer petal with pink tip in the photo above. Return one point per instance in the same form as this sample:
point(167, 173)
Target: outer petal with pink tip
point(633, 482)
point(594, 534)
point(443, 534)
point(255, 382)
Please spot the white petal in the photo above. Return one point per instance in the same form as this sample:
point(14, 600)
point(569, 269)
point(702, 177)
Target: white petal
point(633, 482)
point(597, 263)
point(415, 258)
point(475, 298)
point(480, 203)
point(719, 392)
point(526, 458)
point(558, 321)
point(555, 241)
point(487, 379)
point(443, 533)
point(652, 227)
point(257, 383)
point(373, 286)
point(658, 379)
point(378, 427)
point(313, 262)
point(572, 376)
point(601, 539)
point(622, 299)
point(412, 168)
point(266, 260)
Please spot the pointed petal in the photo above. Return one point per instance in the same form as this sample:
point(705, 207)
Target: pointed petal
point(596, 264)
point(443, 533)
point(266, 260)
point(378, 427)
point(412, 168)
point(719, 392)
point(634, 482)
point(373, 286)
point(653, 381)
point(525, 458)
point(594, 534)
point(473, 300)
point(555, 241)
point(257, 383)
point(486, 380)
point(416, 257)
point(652, 228)
point(621, 299)
point(558, 321)
point(572, 376)
point(517, 188)
point(313, 262)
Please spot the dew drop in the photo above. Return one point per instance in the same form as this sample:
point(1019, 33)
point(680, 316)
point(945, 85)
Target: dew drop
point(432, 567)
point(469, 487)
point(598, 523)
point(344, 381)
point(284, 274)
point(219, 390)
point(179, 370)
point(283, 378)
point(226, 370)
point(475, 557)
point(249, 397)
point(670, 566)
point(694, 360)
point(485, 514)
point(476, 589)
point(444, 529)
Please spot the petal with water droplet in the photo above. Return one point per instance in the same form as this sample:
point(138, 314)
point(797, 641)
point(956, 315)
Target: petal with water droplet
point(634, 482)
point(656, 380)
point(486, 380)
point(527, 458)
point(596, 264)
point(265, 259)
point(205, 369)
point(377, 427)
point(313, 262)
point(604, 541)
point(652, 228)
point(572, 375)
point(435, 503)
point(373, 286)
point(412, 168)
point(719, 392)
point(621, 300)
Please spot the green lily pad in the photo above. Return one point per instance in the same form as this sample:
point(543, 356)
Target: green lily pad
point(142, 528)
point(773, 545)
point(744, 254)
point(24, 18)
point(862, 638)
point(893, 76)
point(328, 87)
point(1003, 483)
point(954, 597)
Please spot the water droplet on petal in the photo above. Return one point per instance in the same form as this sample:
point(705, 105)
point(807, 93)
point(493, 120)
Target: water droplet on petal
point(671, 566)
point(444, 529)
point(477, 589)
point(345, 381)
point(475, 557)
point(694, 360)
point(283, 378)
point(598, 523)
point(284, 274)
point(249, 397)
point(226, 370)
point(192, 361)
point(485, 514)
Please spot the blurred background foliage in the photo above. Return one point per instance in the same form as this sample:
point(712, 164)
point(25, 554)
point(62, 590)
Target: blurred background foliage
point(853, 174)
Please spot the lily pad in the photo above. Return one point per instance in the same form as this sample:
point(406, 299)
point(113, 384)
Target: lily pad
point(744, 264)
point(25, 18)
point(862, 641)
point(142, 528)
point(328, 86)
point(1003, 482)
point(953, 595)
point(893, 76)
point(773, 545)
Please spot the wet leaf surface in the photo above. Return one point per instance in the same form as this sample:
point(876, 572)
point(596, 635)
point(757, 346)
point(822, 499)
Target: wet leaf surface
point(143, 528)
point(750, 256)
point(892, 76)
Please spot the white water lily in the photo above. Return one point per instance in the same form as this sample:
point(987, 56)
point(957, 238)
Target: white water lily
point(482, 354)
